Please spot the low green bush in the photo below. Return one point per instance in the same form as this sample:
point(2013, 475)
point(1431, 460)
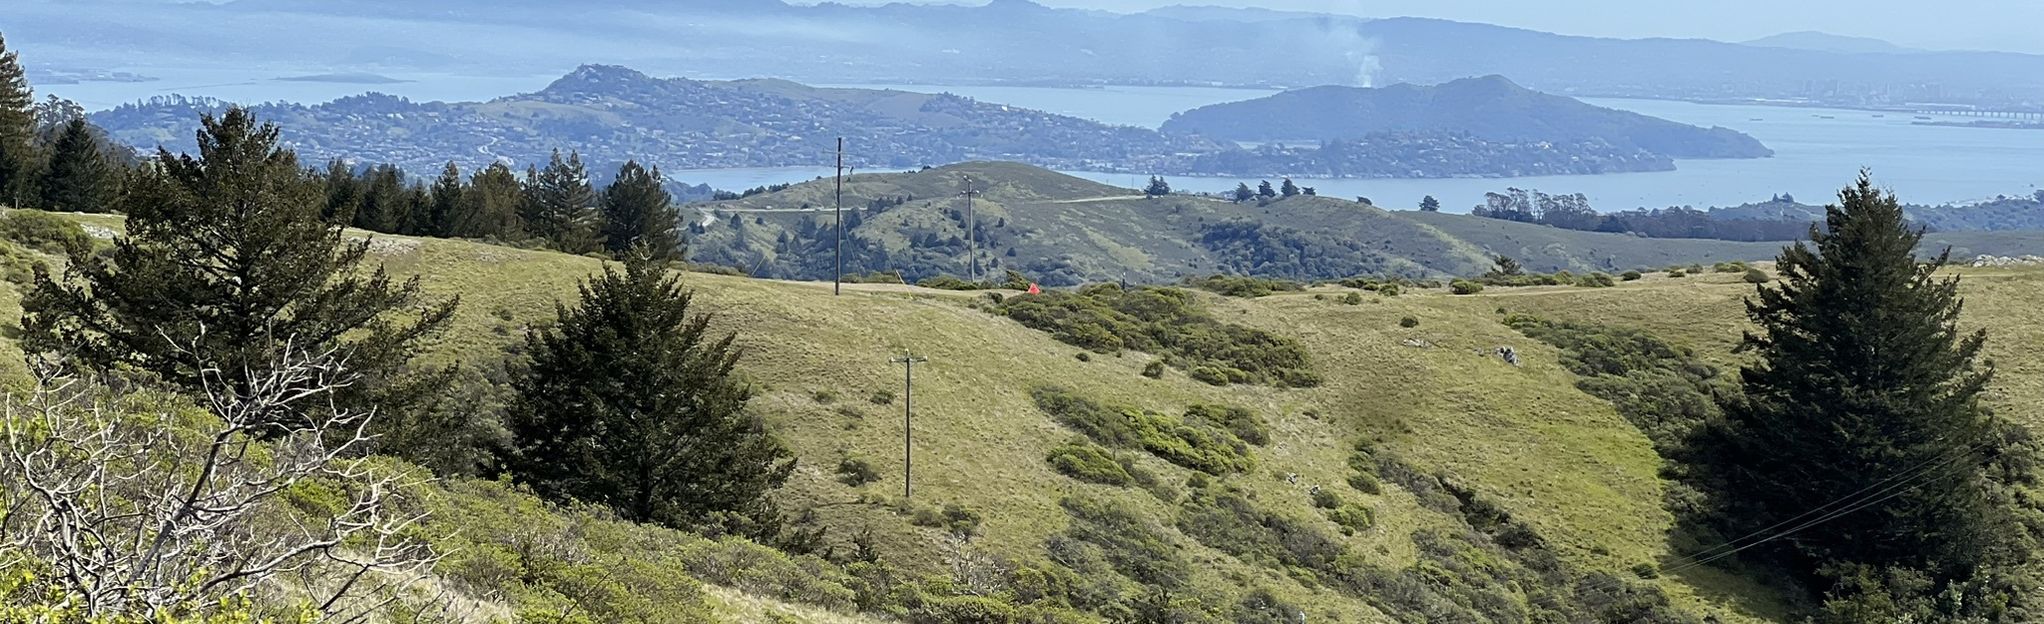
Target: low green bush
point(44, 232)
point(1631, 276)
point(1464, 287)
point(953, 517)
point(1755, 276)
point(856, 472)
point(1154, 369)
point(1167, 322)
point(1130, 543)
point(1352, 299)
point(1242, 422)
point(1408, 322)
point(1243, 285)
point(1195, 445)
point(1088, 462)
point(1228, 519)
point(1352, 517)
point(1729, 267)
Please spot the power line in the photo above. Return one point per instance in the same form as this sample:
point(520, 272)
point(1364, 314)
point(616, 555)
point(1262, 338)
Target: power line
point(1897, 485)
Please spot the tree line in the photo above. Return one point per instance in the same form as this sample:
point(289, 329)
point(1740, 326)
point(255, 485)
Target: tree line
point(554, 206)
point(1573, 212)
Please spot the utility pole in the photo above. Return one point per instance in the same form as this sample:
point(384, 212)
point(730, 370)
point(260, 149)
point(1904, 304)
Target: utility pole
point(971, 232)
point(908, 362)
point(837, 275)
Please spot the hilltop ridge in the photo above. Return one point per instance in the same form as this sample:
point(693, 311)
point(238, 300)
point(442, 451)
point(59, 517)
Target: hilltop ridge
point(1491, 107)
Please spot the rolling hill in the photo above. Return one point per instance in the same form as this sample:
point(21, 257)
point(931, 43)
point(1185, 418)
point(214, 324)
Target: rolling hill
point(1428, 399)
point(613, 112)
point(1064, 230)
point(1491, 107)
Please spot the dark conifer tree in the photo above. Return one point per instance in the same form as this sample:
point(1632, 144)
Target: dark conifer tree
point(639, 213)
point(560, 206)
point(1429, 204)
point(1158, 187)
point(1243, 193)
point(225, 259)
point(385, 202)
point(78, 179)
point(1866, 390)
point(629, 402)
point(490, 206)
point(20, 162)
point(1288, 189)
point(343, 193)
point(1264, 190)
point(443, 202)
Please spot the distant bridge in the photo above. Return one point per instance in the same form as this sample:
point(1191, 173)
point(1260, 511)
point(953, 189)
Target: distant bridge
point(1960, 111)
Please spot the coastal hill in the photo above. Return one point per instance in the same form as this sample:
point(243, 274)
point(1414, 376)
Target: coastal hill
point(1062, 230)
point(1491, 107)
point(674, 123)
point(677, 123)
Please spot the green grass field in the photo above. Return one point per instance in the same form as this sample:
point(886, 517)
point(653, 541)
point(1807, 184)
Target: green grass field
point(1562, 461)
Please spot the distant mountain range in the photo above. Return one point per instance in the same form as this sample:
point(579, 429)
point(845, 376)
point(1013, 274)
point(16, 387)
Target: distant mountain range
point(1827, 42)
point(611, 113)
point(1492, 107)
point(1005, 41)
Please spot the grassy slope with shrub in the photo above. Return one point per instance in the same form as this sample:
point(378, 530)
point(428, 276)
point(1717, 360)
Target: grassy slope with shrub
point(1562, 463)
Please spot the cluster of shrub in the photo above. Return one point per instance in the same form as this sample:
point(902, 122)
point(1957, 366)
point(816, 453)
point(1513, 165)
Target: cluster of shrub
point(1210, 439)
point(1168, 322)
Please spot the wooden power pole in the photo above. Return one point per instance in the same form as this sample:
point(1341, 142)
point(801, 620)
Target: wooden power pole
point(837, 275)
point(908, 362)
point(971, 233)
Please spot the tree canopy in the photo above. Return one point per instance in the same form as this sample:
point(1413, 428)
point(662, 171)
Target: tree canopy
point(226, 258)
point(1865, 395)
point(629, 401)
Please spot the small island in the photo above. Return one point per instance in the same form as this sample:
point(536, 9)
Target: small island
point(344, 78)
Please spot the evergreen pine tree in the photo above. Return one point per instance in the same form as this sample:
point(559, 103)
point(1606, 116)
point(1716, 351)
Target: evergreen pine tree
point(1429, 204)
point(560, 205)
point(1157, 188)
point(638, 212)
point(1264, 190)
point(384, 201)
point(343, 193)
point(1865, 383)
point(78, 178)
point(1242, 192)
point(490, 206)
point(225, 259)
point(629, 402)
point(443, 202)
point(1289, 189)
point(20, 163)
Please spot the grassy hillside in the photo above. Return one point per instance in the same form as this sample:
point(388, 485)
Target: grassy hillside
point(1564, 464)
point(1063, 230)
point(1559, 459)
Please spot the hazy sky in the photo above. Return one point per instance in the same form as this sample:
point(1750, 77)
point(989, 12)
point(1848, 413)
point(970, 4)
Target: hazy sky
point(1941, 24)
